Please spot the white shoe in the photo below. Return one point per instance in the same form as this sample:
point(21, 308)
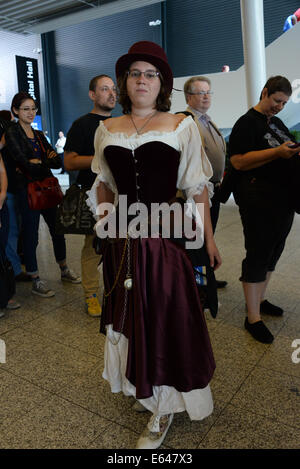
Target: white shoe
point(155, 432)
point(138, 407)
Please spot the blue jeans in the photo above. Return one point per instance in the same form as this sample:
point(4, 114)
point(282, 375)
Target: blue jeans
point(30, 234)
point(58, 241)
point(13, 233)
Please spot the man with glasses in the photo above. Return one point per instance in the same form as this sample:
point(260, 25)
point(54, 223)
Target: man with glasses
point(78, 156)
point(198, 94)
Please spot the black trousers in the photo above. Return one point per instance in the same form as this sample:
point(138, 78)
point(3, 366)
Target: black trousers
point(267, 221)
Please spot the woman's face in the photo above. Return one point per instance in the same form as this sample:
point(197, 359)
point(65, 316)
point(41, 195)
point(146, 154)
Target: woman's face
point(143, 90)
point(274, 103)
point(26, 112)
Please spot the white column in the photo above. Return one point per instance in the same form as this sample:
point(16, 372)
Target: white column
point(252, 14)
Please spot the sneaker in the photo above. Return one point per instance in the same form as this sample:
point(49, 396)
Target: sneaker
point(12, 304)
point(92, 305)
point(138, 407)
point(40, 288)
point(2, 314)
point(155, 432)
point(68, 275)
point(259, 331)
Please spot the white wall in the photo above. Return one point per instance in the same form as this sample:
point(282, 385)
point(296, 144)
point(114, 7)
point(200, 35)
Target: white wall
point(12, 44)
point(229, 101)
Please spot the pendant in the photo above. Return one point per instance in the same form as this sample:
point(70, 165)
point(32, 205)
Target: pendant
point(128, 283)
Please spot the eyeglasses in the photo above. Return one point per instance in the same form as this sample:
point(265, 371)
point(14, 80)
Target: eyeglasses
point(201, 93)
point(27, 109)
point(148, 74)
point(107, 88)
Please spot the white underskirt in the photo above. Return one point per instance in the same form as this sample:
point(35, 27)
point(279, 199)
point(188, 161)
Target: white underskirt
point(198, 403)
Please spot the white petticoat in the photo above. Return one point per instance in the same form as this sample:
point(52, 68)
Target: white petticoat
point(198, 403)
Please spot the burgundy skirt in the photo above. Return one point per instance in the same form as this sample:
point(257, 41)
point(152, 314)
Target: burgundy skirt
point(162, 317)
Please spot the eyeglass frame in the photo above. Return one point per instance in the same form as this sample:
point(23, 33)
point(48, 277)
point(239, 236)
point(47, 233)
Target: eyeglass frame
point(201, 93)
point(27, 109)
point(156, 74)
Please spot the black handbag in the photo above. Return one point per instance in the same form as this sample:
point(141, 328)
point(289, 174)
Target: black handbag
point(73, 215)
point(205, 279)
point(204, 273)
point(7, 281)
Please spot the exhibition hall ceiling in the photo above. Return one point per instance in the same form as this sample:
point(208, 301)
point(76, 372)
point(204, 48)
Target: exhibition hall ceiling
point(41, 16)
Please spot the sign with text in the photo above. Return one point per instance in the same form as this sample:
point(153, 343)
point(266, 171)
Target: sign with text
point(28, 80)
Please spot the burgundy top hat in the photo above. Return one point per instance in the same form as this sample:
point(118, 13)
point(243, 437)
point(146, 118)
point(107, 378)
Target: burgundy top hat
point(148, 52)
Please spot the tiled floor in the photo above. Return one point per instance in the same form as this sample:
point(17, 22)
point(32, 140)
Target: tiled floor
point(52, 394)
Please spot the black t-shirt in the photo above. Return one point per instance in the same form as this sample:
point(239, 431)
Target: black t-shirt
point(253, 132)
point(80, 139)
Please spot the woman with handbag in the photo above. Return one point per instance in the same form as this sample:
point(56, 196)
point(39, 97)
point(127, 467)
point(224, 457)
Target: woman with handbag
point(29, 158)
point(261, 150)
point(157, 345)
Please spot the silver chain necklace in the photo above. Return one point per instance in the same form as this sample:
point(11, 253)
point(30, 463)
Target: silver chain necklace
point(138, 131)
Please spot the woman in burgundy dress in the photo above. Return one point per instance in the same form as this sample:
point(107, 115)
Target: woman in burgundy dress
point(157, 344)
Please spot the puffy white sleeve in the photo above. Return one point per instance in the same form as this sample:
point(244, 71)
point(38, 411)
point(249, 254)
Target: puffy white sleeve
point(194, 170)
point(101, 168)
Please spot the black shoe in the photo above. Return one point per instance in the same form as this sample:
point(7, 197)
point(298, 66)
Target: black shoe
point(221, 283)
point(271, 310)
point(23, 277)
point(259, 331)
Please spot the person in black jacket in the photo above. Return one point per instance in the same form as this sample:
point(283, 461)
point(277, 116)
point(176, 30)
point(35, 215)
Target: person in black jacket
point(5, 118)
point(261, 150)
point(29, 156)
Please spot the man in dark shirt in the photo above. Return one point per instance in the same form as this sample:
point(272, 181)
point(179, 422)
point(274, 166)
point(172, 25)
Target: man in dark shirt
point(79, 153)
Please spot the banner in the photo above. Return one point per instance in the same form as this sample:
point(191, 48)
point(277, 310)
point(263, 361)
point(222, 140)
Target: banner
point(28, 80)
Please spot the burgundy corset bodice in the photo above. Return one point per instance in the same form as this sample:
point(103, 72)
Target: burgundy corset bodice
point(147, 174)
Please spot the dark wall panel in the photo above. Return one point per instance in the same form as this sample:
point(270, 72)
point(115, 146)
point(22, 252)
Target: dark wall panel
point(202, 36)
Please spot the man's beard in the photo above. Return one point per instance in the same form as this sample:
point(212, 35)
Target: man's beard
point(106, 107)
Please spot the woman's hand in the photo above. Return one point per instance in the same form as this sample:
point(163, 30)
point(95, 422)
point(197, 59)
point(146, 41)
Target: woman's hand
point(285, 151)
point(213, 254)
point(35, 161)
